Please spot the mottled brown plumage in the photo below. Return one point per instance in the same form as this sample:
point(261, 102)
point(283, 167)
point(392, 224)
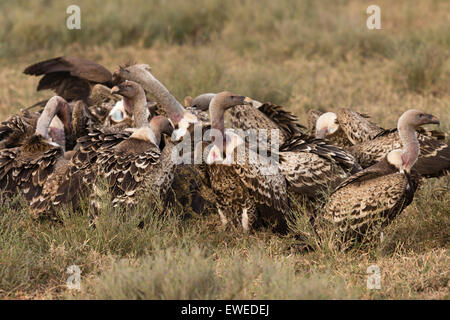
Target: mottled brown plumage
point(129, 167)
point(70, 122)
point(369, 200)
point(238, 186)
point(69, 77)
point(434, 156)
point(124, 158)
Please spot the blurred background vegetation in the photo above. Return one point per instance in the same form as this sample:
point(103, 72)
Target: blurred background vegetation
point(300, 54)
point(289, 52)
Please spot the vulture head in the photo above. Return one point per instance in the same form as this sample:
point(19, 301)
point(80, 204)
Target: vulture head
point(188, 101)
point(326, 125)
point(407, 125)
point(180, 117)
point(56, 106)
point(117, 114)
point(134, 102)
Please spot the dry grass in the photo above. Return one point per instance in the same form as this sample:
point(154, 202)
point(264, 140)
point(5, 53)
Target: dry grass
point(301, 54)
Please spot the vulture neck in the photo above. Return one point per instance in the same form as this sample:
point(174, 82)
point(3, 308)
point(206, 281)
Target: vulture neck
point(411, 147)
point(140, 111)
point(49, 112)
point(173, 108)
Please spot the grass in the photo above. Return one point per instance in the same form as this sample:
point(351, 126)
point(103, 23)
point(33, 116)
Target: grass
point(300, 54)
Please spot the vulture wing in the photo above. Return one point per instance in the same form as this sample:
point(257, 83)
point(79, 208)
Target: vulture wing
point(357, 126)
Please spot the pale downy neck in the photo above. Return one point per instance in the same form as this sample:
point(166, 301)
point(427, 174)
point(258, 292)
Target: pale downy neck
point(411, 147)
point(217, 112)
point(156, 128)
point(47, 115)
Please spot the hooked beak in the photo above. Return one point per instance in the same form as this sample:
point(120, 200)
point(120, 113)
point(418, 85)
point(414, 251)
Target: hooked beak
point(322, 133)
point(116, 89)
point(434, 120)
point(248, 101)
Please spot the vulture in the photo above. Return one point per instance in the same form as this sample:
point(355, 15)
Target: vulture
point(310, 165)
point(369, 143)
point(199, 106)
point(180, 117)
point(370, 199)
point(83, 168)
point(72, 78)
point(200, 102)
point(434, 155)
point(30, 166)
point(17, 128)
point(128, 158)
point(239, 186)
point(69, 123)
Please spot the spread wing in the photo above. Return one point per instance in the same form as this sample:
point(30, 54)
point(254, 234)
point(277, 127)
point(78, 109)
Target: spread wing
point(126, 166)
point(74, 66)
point(15, 129)
point(434, 156)
point(69, 77)
point(28, 172)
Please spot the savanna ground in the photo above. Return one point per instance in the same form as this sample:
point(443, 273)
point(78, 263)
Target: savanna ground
point(299, 54)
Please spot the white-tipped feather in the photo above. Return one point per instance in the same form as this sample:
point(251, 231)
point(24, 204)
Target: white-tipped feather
point(327, 122)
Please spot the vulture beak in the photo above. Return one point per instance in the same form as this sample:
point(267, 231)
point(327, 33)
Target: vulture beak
point(322, 133)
